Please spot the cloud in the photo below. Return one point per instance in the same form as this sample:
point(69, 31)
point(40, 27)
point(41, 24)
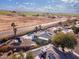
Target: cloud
point(28, 3)
point(70, 1)
point(48, 5)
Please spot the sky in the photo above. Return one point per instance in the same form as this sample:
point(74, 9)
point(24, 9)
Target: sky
point(57, 6)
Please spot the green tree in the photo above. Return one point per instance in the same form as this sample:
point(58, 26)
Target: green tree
point(30, 55)
point(14, 28)
point(63, 40)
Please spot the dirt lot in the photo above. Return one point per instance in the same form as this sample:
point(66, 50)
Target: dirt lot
point(6, 20)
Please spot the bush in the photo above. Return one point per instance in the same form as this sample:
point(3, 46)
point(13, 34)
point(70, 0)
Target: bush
point(15, 57)
point(13, 11)
point(30, 55)
point(63, 40)
point(18, 55)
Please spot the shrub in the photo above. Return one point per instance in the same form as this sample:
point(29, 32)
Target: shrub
point(63, 40)
point(30, 55)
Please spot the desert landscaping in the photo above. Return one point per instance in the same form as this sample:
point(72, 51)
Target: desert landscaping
point(25, 21)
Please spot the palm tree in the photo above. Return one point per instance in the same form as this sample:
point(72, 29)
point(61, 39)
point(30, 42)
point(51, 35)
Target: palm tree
point(14, 28)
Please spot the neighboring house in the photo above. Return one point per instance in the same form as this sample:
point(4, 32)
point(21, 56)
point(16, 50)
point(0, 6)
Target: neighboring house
point(44, 34)
point(67, 30)
point(26, 37)
point(27, 42)
point(31, 37)
point(56, 29)
point(15, 42)
point(42, 37)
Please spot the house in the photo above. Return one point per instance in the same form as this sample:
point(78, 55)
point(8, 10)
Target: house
point(22, 41)
point(67, 30)
point(45, 35)
point(25, 45)
point(55, 29)
point(27, 42)
point(42, 37)
point(26, 37)
point(15, 42)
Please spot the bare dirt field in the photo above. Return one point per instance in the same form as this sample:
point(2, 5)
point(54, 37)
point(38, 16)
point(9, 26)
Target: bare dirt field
point(6, 20)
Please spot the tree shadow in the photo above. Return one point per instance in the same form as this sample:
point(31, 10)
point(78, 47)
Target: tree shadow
point(68, 55)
